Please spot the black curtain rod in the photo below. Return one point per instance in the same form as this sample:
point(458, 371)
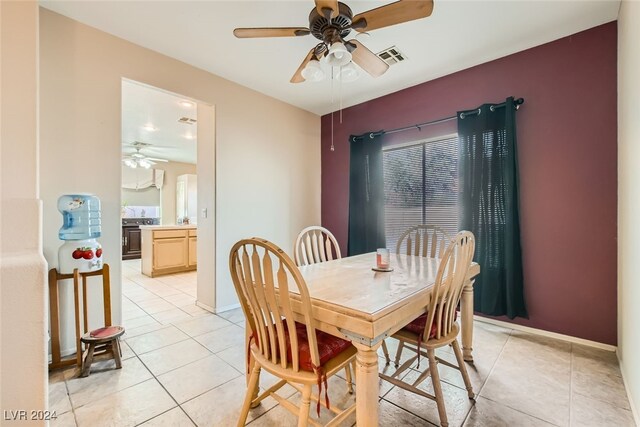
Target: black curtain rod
point(463, 114)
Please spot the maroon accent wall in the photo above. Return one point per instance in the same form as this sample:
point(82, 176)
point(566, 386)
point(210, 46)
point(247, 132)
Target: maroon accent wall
point(567, 142)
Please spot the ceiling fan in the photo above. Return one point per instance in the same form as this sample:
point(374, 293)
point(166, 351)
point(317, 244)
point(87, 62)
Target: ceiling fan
point(138, 159)
point(331, 22)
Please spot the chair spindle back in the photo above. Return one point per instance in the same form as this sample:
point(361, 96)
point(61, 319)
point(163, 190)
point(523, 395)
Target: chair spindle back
point(315, 244)
point(423, 240)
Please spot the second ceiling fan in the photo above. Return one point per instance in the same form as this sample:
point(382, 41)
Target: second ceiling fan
point(136, 159)
point(331, 22)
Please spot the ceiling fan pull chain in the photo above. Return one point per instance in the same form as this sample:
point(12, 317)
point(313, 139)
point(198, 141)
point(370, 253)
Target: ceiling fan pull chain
point(332, 147)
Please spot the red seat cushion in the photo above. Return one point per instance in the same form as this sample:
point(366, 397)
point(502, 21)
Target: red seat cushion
point(106, 332)
point(328, 346)
point(418, 324)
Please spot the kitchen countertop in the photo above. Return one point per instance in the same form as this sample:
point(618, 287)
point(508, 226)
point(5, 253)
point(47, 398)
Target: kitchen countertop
point(169, 227)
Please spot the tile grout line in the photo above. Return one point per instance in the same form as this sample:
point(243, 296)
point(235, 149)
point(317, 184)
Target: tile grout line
point(177, 367)
point(165, 390)
point(495, 363)
point(180, 291)
point(477, 395)
point(406, 410)
point(73, 411)
point(571, 385)
point(501, 403)
point(136, 355)
point(162, 385)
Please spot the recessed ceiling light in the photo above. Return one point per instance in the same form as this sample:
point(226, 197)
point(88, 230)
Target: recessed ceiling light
point(149, 127)
point(186, 104)
point(189, 136)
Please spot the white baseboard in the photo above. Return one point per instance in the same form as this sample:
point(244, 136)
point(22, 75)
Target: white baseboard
point(206, 307)
point(227, 308)
point(634, 410)
point(544, 333)
point(218, 309)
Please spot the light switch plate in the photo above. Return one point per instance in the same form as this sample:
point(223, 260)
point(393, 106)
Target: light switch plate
point(204, 213)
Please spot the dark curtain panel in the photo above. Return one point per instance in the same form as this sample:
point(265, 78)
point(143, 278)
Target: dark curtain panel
point(489, 206)
point(366, 195)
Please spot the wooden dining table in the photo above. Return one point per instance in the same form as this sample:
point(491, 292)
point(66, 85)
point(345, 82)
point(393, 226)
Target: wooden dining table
point(352, 301)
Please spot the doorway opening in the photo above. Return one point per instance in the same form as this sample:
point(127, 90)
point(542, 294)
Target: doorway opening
point(159, 206)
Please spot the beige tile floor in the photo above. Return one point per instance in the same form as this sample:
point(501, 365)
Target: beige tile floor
point(185, 367)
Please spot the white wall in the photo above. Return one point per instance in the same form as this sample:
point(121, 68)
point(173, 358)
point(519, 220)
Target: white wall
point(23, 380)
point(629, 199)
point(268, 152)
point(207, 247)
point(149, 196)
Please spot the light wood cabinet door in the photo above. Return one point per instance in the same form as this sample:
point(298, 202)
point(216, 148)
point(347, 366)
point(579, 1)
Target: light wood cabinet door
point(170, 253)
point(193, 251)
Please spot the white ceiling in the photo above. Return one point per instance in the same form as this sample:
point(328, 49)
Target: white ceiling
point(144, 106)
point(458, 35)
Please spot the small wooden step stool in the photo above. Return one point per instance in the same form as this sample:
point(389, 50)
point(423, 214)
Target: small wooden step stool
point(105, 340)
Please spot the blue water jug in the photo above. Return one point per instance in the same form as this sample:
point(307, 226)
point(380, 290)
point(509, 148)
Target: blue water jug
point(80, 217)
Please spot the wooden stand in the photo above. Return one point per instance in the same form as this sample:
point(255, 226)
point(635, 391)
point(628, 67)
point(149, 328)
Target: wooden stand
point(57, 361)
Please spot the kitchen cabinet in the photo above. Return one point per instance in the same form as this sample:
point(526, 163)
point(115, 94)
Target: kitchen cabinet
point(131, 242)
point(168, 249)
point(193, 250)
point(170, 253)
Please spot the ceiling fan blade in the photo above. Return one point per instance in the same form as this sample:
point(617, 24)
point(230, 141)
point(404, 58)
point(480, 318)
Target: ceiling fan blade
point(367, 60)
point(244, 33)
point(392, 14)
point(156, 160)
point(136, 144)
point(297, 77)
point(327, 4)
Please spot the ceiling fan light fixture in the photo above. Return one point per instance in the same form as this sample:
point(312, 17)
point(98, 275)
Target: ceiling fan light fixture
point(312, 72)
point(348, 73)
point(338, 55)
point(144, 163)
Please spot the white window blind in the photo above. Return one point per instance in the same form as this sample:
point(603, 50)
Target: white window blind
point(421, 187)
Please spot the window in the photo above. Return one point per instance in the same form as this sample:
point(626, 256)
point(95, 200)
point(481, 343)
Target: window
point(421, 187)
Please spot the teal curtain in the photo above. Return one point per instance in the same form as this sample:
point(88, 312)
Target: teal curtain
point(490, 206)
point(366, 194)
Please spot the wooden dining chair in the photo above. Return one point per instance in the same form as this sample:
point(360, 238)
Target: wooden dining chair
point(421, 240)
point(269, 286)
point(437, 327)
point(317, 244)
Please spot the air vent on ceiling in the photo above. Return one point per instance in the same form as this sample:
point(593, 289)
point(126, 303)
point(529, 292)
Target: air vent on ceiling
point(187, 120)
point(391, 55)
